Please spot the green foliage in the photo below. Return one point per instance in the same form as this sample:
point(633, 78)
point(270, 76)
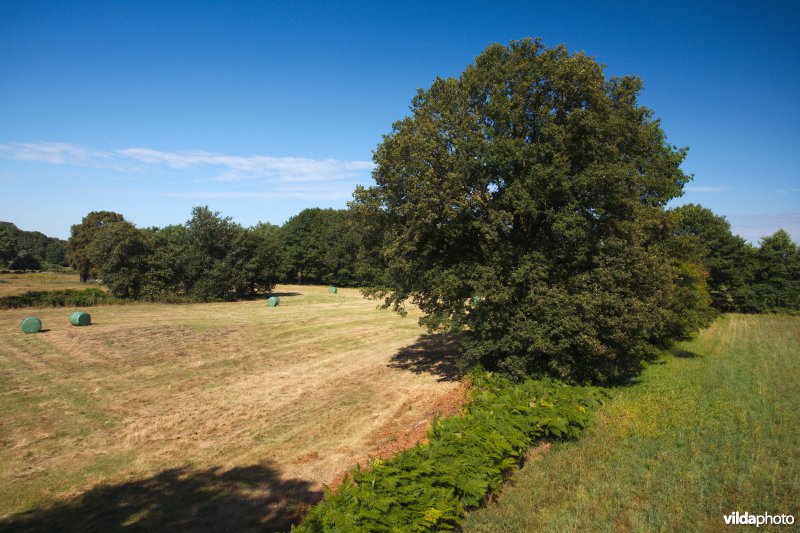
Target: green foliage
point(690, 308)
point(254, 260)
point(25, 262)
point(429, 486)
point(15, 242)
point(225, 261)
point(777, 273)
point(706, 239)
point(81, 237)
point(210, 239)
point(119, 253)
point(208, 258)
point(536, 182)
point(322, 246)
point(56, 252)
point(8, 243)
point(61, 298)
point(164, 272)
point(740, 277)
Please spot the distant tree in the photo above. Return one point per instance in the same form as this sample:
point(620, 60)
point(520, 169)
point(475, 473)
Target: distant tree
point(25, 261)
point(268, 257)
point(368, 222)
point(56, 252)
point(303, 241)
point(244, 272)
point(728, 258)
point(523, 204)
point(322, 246)
point(14, 242)
point(165, 271)
point(209, 257)
point(119, 253)
point(777, 278)
point(8, 244)
point(210, 239)
point(33, 242)
point(81, 238)
point(341, 240)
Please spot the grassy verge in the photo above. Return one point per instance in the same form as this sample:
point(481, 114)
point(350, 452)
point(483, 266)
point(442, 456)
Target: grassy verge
point(709, 431)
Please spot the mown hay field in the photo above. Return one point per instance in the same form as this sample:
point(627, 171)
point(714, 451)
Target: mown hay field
point(12, 284)
point(210, 416)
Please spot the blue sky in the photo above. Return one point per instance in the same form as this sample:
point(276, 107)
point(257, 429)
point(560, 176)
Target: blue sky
point(262, 109)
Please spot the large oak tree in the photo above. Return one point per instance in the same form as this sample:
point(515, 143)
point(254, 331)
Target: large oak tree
point(523, 204)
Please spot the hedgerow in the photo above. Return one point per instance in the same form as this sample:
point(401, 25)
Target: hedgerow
point(467, 457)
point(61, 298)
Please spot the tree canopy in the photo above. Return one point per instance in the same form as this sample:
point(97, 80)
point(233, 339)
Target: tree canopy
point(523, 204)
point(26, 249)
point(208, 258)
point(727, 258)
point(322, 246)
point(81, 237)
point(119, 253)
point(777, 273)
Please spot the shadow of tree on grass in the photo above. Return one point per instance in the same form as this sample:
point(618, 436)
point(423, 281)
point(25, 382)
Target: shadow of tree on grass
point(683, 354)
point(433, 354)
point(180, 499)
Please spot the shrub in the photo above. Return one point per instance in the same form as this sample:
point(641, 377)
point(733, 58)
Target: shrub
point(62, 298)
point(25, 262)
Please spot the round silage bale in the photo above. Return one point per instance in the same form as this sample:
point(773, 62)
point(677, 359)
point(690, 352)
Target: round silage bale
point(80, 318)
point(31, 325)
point(272, 301)
point(332, 290)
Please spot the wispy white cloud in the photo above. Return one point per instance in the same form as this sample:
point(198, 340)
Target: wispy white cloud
point(239, 168)
point(788, 191)
point(705, 189)
point(281, 194)
point(218, 166)
point(56, 154)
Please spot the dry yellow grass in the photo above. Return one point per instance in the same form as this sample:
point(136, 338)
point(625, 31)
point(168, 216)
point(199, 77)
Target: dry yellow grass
point(303, 390)
point(14, 284)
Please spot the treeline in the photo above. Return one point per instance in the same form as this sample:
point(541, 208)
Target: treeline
point(30, 250)
point(211, 257)
point(739, 276)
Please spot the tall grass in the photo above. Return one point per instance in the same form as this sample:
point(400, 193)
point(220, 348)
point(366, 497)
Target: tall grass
point(710, 430)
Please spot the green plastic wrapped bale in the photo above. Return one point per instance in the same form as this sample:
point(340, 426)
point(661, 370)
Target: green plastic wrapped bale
point(31, 325)
point(332, 290)
point(79, 318)
point(273, 301)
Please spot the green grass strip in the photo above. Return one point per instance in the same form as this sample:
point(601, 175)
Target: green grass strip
point(709, 431)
